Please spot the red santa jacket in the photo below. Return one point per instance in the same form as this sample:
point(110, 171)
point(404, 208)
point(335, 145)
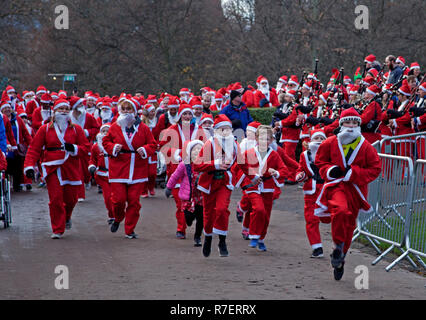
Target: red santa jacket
point(247, 99)
point(99, 160)
point(365, 167)
point(48, 144)
point(254, 166)
point(209, 159)
point(3, 162)
point(258, 96)
point(89, 125)
point(289, 163)
point(161, 125)
point(128, 166)
point(290, 132)
point(31, 106)
point(310, 186)
point(22, 134)
point(372, 112)
point(37, 119)
point(10, 137)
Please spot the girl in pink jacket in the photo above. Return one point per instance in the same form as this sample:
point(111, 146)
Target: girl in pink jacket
point(192, 202)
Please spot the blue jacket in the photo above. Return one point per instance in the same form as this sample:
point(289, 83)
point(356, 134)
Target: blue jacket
point(3, 141)
point(241, 113)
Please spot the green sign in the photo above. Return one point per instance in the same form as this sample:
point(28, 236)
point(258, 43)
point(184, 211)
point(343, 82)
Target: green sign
point(69, 78)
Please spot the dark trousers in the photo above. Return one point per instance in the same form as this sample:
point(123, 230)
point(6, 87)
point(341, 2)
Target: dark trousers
point(15, 167)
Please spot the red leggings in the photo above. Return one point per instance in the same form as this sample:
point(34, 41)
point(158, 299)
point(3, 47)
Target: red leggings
point(180, 216)
point(106, 192)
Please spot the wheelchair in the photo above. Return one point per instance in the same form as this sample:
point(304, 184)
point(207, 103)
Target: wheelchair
point(5, 207)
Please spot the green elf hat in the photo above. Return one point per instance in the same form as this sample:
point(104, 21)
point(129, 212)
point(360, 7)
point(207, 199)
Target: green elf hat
point(357, 74)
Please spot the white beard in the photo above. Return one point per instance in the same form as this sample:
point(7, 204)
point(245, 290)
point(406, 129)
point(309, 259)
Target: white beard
point(62, 121)
point(125, 120)
point(174, 119)
point(152, 123)
point(45, 114)
point(91, 110)
point(227, 145)
point(247, 144)
point(264, 90)
point(106, 115)
point(347, 135)
point(80, 119)
point(313, 147)
point(99, 138)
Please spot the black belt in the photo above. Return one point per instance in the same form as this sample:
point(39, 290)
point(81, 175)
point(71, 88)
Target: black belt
point(56, 149)
point(218, 174)
point(102, 169)
point(127, 151)
point(252, 184)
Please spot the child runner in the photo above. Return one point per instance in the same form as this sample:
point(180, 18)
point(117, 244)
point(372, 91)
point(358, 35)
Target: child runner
point(309, 173)
point(192, 202)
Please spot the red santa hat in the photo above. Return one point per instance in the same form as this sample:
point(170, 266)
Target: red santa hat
point(10, 89)
point(312, 76)
point(184, 91)
point(374, 72)
point(368, 80)
point(22, 113)
point(41, 90)
point(354, 89)
point(370, 58)
point(108, 124)
point(188, 146)
point(318, 132)
point(196, 102)
point(183, 108)
point(283, 79)
point(149, 107)
point(400, 60)
point(151, 98)
point(206, 117)
point(252, 126)
point(173, 102)
point(46, 98)
point(414, 65)
point(347, 79)
point(54, 95)
point(294, 80)
point(221, 120)
point(99, 102)
point(75, 102)
point(260, 79)
point(308, 85)
point(291, 93)
point(374, 90)
point(25, 94)
point(387, 87)
point(60, 103)
point(218, 96)
point(349, 114)
point(405, 89)
point(5, 101)
point(423, 86)
point(324, 96)
point(62, 94)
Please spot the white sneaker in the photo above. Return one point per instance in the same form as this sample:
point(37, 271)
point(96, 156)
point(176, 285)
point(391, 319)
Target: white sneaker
point(88, 186)
point(132, 236)
point(56, 236)
point(80, 200)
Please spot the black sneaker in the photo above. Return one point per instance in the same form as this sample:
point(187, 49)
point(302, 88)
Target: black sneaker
point(197, 242)
point(338, 272)
point(337, 258)
point(29, 187)
point(189, 217)
point(240, 215)
point(114, 226)
point(317, 253)
point(132, 236)
point(223, 250)
point(110, 221)
point(207, 247)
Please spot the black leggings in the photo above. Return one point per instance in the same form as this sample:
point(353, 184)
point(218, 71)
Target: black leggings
point(15, 168)
point(198, 211)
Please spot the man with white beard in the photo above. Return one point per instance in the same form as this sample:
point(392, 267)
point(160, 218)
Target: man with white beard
point(263, 97)
point(216, 182)
point(347, 163)
point(58, 145)
point(281, 83)
point(168, 118)
point(90, 127)
point(130, 143)
point(43, 114)
point(106, 115)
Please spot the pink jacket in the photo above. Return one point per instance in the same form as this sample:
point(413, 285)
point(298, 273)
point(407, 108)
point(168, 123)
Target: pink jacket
point(181, 176)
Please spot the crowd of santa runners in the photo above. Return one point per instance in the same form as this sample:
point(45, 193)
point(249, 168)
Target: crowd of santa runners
point(69, 143)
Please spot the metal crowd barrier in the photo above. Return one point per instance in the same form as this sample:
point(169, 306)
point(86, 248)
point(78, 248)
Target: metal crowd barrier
point(398, 198)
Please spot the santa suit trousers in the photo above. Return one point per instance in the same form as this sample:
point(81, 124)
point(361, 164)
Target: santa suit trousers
point(344, 212)
point(312, 221)
point(290, 150)
point(216, 213)
point(62, 200)
point(180, 215)
point(245, 207)
point(260, 214)
point(122, 194)
point(106, 192)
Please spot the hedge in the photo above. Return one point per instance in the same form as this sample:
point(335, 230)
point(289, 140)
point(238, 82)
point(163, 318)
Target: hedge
point(262, 115)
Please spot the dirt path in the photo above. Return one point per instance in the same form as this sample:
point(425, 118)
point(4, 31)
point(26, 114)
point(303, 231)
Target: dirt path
point(103, 265)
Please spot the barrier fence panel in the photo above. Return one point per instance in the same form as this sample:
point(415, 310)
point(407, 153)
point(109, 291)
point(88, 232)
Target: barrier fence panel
point(407, 145)
point(390, 196)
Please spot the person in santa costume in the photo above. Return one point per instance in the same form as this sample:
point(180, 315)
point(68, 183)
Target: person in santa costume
point(347, 163)
point(35, 103)
point(263, 97)
point(197, 108)
point(216, 182)
point(59, 146)
point(98, 167)
point(43, 114)
point(24, 180)
point(90, 126)
point(167, 119)
point(262, 170)
point(148, 117)
point(372, 115)
point(205, 128)
point(171, 143)
point(129, 143)
point(106, 115)
point(308, 173)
